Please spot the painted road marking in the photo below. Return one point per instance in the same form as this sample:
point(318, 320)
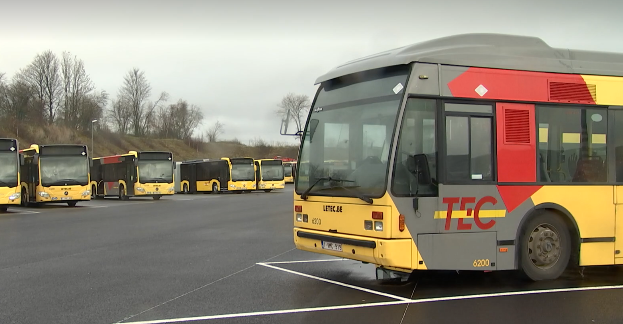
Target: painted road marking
point(400, 301)
point(397, 302)
point(335, 282)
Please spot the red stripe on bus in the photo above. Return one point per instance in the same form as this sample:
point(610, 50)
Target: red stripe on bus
point(520, 85)
point(513, 196)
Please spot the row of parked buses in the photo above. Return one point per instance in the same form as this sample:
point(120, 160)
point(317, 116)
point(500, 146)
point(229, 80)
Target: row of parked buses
point(242, 174)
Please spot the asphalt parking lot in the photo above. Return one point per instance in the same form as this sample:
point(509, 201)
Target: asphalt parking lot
point(230, 259)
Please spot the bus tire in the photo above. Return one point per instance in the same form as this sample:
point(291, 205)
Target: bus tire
point(93, 193)
point(268, 190)
point(72, 203)
point(185, 189)
point(3, 209)
point(156, 197)
point(25, 197)
point(544, 247)
point(122, 195)
point(215, 188)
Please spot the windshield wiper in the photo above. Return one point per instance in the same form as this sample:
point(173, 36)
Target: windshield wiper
point(357, 195)
point(64, 182)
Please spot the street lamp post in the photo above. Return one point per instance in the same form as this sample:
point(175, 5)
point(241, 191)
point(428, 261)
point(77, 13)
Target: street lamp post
point(92, 126)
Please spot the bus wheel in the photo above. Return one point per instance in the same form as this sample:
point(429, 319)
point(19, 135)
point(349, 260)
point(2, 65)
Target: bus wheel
point(185, 189)
point(72, 203)
point(544, 247)
point(122, 195)
point(3, 209)
point(25, 197)
point(268, 190)
point(156, 197)
point(215, 188)
point(93, 195)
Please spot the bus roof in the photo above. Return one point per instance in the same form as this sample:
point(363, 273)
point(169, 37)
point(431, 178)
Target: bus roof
point(500, 51)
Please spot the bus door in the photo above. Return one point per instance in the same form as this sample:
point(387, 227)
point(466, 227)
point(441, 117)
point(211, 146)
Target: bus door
point(258, 175)
point(33, 177)
point(193, 176)
point(130, 176)
point(468, 190)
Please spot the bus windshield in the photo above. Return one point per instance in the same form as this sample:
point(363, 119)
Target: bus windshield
point(349, 132)
point(8, 169)
point(287, 170)
point(272, 172)
point(64, 170)
point(150, 171)
point(242, 172)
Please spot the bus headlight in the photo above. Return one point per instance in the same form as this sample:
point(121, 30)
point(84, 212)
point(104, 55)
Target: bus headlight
point(378, 226)
point(253, 185)
point(232, 186)
point(43, 194)
point(299, 217)
point(172, 188)
point(86, 193)
point(14, 196)
point(140, 189)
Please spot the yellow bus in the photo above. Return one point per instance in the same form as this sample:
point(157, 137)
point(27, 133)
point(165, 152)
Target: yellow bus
point(465, 153)
point(134, 174)
point(269, 174)
point(56, 173)
point(10, 193)
point(288, 171)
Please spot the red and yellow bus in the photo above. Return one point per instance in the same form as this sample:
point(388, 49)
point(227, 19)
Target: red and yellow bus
point(55, 173)
point(10, 193)
point(134, 174)
point(469, 152)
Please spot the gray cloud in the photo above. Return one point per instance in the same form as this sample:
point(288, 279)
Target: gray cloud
point(236, 60)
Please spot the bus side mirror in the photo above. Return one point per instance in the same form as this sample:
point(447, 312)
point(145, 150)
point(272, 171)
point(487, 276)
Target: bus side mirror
point(418, 166)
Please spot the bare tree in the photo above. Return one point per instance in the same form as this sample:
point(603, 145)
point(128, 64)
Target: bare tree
point(134, 93)
point(294, 108)
point(178, 120)
point(214, 131)
point(19, 102)
point(43, 75)
point(120, 115)
point(78, 102)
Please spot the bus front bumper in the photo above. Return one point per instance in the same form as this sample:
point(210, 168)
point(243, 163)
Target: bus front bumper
point(10, 197)
point(394, 253)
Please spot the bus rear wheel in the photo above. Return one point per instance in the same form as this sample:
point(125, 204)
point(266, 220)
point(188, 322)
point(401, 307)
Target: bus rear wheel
point(545, 247)
point(215, 188)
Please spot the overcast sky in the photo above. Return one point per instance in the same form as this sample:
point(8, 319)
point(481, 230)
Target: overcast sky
point(237, 59)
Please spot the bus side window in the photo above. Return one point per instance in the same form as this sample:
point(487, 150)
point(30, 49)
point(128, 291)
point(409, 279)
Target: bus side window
point(417, 137)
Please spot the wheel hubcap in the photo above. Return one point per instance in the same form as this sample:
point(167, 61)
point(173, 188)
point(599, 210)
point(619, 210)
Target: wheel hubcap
point(544, 246)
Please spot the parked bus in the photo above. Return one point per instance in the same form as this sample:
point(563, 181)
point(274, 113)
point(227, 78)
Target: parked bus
point(469, 152)
point(10, 192)
point(216, 176)
point(269, 175)
point(57, 173)
point(134, 174)
point(289, 170)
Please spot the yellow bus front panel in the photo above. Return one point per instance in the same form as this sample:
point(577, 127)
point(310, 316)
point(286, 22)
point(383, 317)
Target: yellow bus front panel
point(152, 189)
point(241, 185)
point(10, 196)
point(270, 185)
point(62, 193)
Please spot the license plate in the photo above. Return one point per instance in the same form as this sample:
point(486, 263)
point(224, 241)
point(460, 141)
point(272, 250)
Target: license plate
point(332, 246)
point(149, 192)
point(65, 198)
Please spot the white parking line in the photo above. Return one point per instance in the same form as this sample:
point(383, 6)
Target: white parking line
point(305, 261)
point(400, 301)
point(335, 282)
point(23, 212)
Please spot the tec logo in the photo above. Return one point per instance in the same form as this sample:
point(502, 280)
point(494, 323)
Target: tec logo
point(467, 204)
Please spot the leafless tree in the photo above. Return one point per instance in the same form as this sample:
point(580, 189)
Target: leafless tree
point(215, 131)
point(19, 102)
point(120, 115)
point(294, 108)
point(178, 120)
point(135, 93)
point(43, 74)
point(78, 101)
